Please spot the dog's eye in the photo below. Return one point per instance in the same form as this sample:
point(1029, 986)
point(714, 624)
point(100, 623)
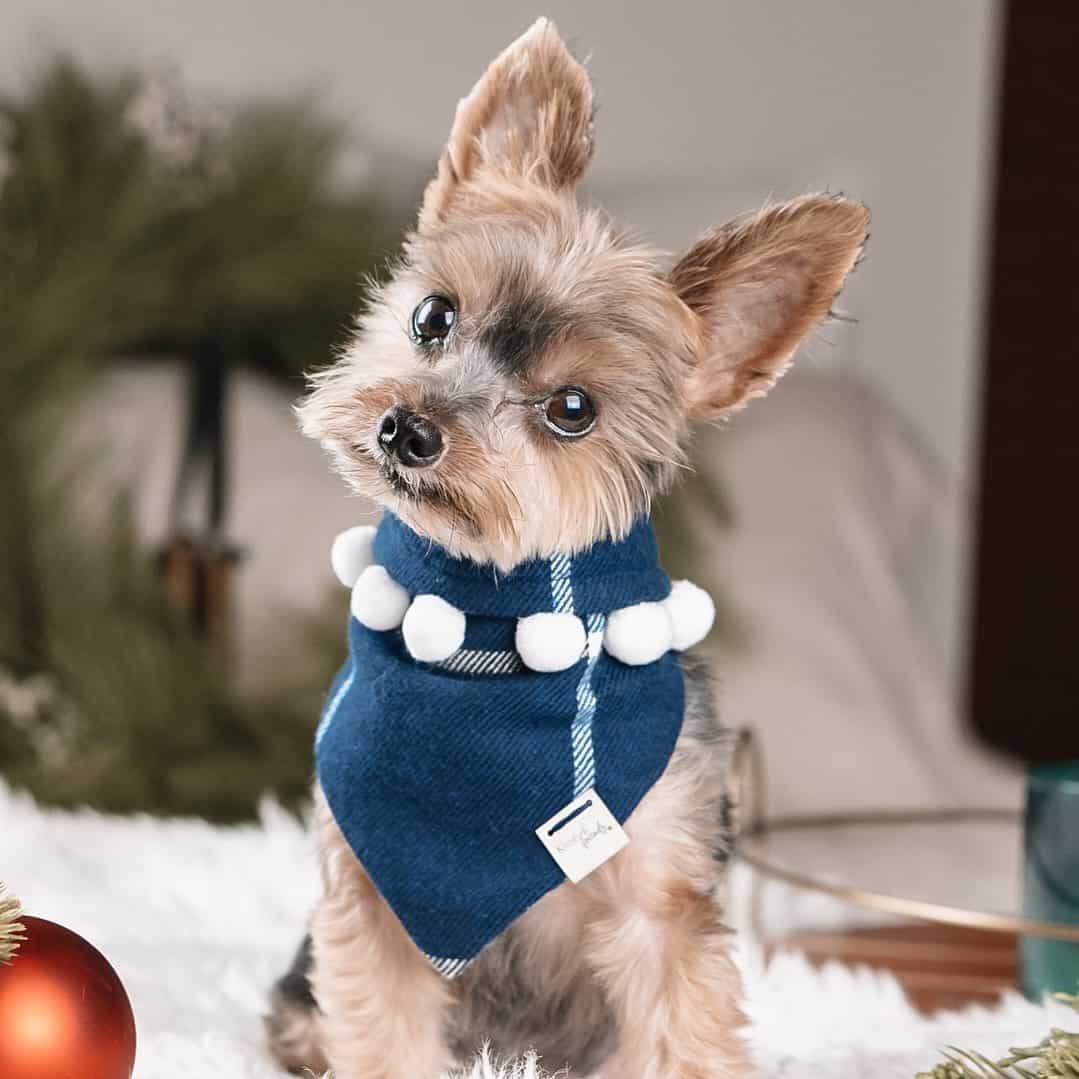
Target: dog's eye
point(433, 319)
point(569, 411)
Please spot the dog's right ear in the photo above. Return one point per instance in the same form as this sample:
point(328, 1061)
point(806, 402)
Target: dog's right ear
point(529, 116)
point(757, 286)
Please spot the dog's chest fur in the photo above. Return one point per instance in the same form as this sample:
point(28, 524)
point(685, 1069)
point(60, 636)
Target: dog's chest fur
point(532, 988)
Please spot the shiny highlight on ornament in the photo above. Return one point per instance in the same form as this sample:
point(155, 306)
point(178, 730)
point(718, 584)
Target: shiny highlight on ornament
point(63, 1010)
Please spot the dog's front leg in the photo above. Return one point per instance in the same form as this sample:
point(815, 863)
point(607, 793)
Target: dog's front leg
point(671, 982)
point(382, 1004)
point(656, 942)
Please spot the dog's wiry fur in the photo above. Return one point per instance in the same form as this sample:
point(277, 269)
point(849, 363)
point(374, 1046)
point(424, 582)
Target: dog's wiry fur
point(631, 966)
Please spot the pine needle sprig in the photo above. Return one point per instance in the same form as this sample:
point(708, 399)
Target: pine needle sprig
point(12, 933)
point(1055, 1057)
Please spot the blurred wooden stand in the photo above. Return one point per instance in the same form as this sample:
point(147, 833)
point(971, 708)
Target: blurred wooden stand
point(198, 580)
point(198, 572)
point(938, 966)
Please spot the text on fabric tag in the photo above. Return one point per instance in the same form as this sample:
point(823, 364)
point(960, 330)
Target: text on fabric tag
point(582, 836)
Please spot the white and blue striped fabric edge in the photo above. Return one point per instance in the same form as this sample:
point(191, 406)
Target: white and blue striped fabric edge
point(562, 583)
point(584, 761)
point(448, 968)
point(335, 702)
point(482, 661)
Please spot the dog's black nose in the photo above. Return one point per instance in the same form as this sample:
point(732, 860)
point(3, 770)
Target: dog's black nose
point(413, 440)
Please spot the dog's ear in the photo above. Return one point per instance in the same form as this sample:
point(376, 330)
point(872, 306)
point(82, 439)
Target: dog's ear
point(530, 115)
point(758, 285)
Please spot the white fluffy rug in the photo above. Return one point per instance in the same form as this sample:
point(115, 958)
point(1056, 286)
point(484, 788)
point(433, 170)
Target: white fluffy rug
point(199, 921)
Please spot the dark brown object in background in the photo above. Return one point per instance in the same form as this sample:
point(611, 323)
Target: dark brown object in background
point(938, 966)
point(198, 581)
point(198, 573)
point(1024, 690)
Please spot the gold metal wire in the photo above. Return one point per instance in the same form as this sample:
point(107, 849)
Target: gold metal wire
point(750, 793)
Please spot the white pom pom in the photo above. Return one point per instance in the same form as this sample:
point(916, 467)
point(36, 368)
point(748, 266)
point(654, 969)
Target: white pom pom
point(550, 641)
point(433, 629)
point(692, 613)
point(378, 601)
point(352, 552)
point(638, 634)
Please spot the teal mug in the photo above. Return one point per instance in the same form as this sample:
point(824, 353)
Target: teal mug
point(1051, 876)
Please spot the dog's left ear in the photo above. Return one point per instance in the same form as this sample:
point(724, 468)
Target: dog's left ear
point(529, 116)
point(757, 286)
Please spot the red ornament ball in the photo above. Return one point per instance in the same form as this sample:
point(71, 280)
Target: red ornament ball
point(63, 1012)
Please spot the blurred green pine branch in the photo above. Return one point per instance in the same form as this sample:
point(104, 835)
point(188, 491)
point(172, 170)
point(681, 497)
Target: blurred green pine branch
point(131, 226)
point(1055, 1057)
point(136, 223)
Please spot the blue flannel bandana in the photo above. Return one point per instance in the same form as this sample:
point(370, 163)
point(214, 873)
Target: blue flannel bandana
point(439, 774)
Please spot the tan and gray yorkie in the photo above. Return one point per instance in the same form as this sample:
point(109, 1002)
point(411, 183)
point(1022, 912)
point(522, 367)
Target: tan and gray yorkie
point(521, 800)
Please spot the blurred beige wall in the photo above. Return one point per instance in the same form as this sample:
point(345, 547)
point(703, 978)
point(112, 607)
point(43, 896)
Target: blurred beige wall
point(705, 109)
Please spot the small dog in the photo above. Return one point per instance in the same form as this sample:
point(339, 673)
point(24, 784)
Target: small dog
point(521, 389)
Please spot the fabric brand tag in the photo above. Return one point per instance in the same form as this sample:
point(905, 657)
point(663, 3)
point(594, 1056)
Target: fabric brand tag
point(582, 836)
